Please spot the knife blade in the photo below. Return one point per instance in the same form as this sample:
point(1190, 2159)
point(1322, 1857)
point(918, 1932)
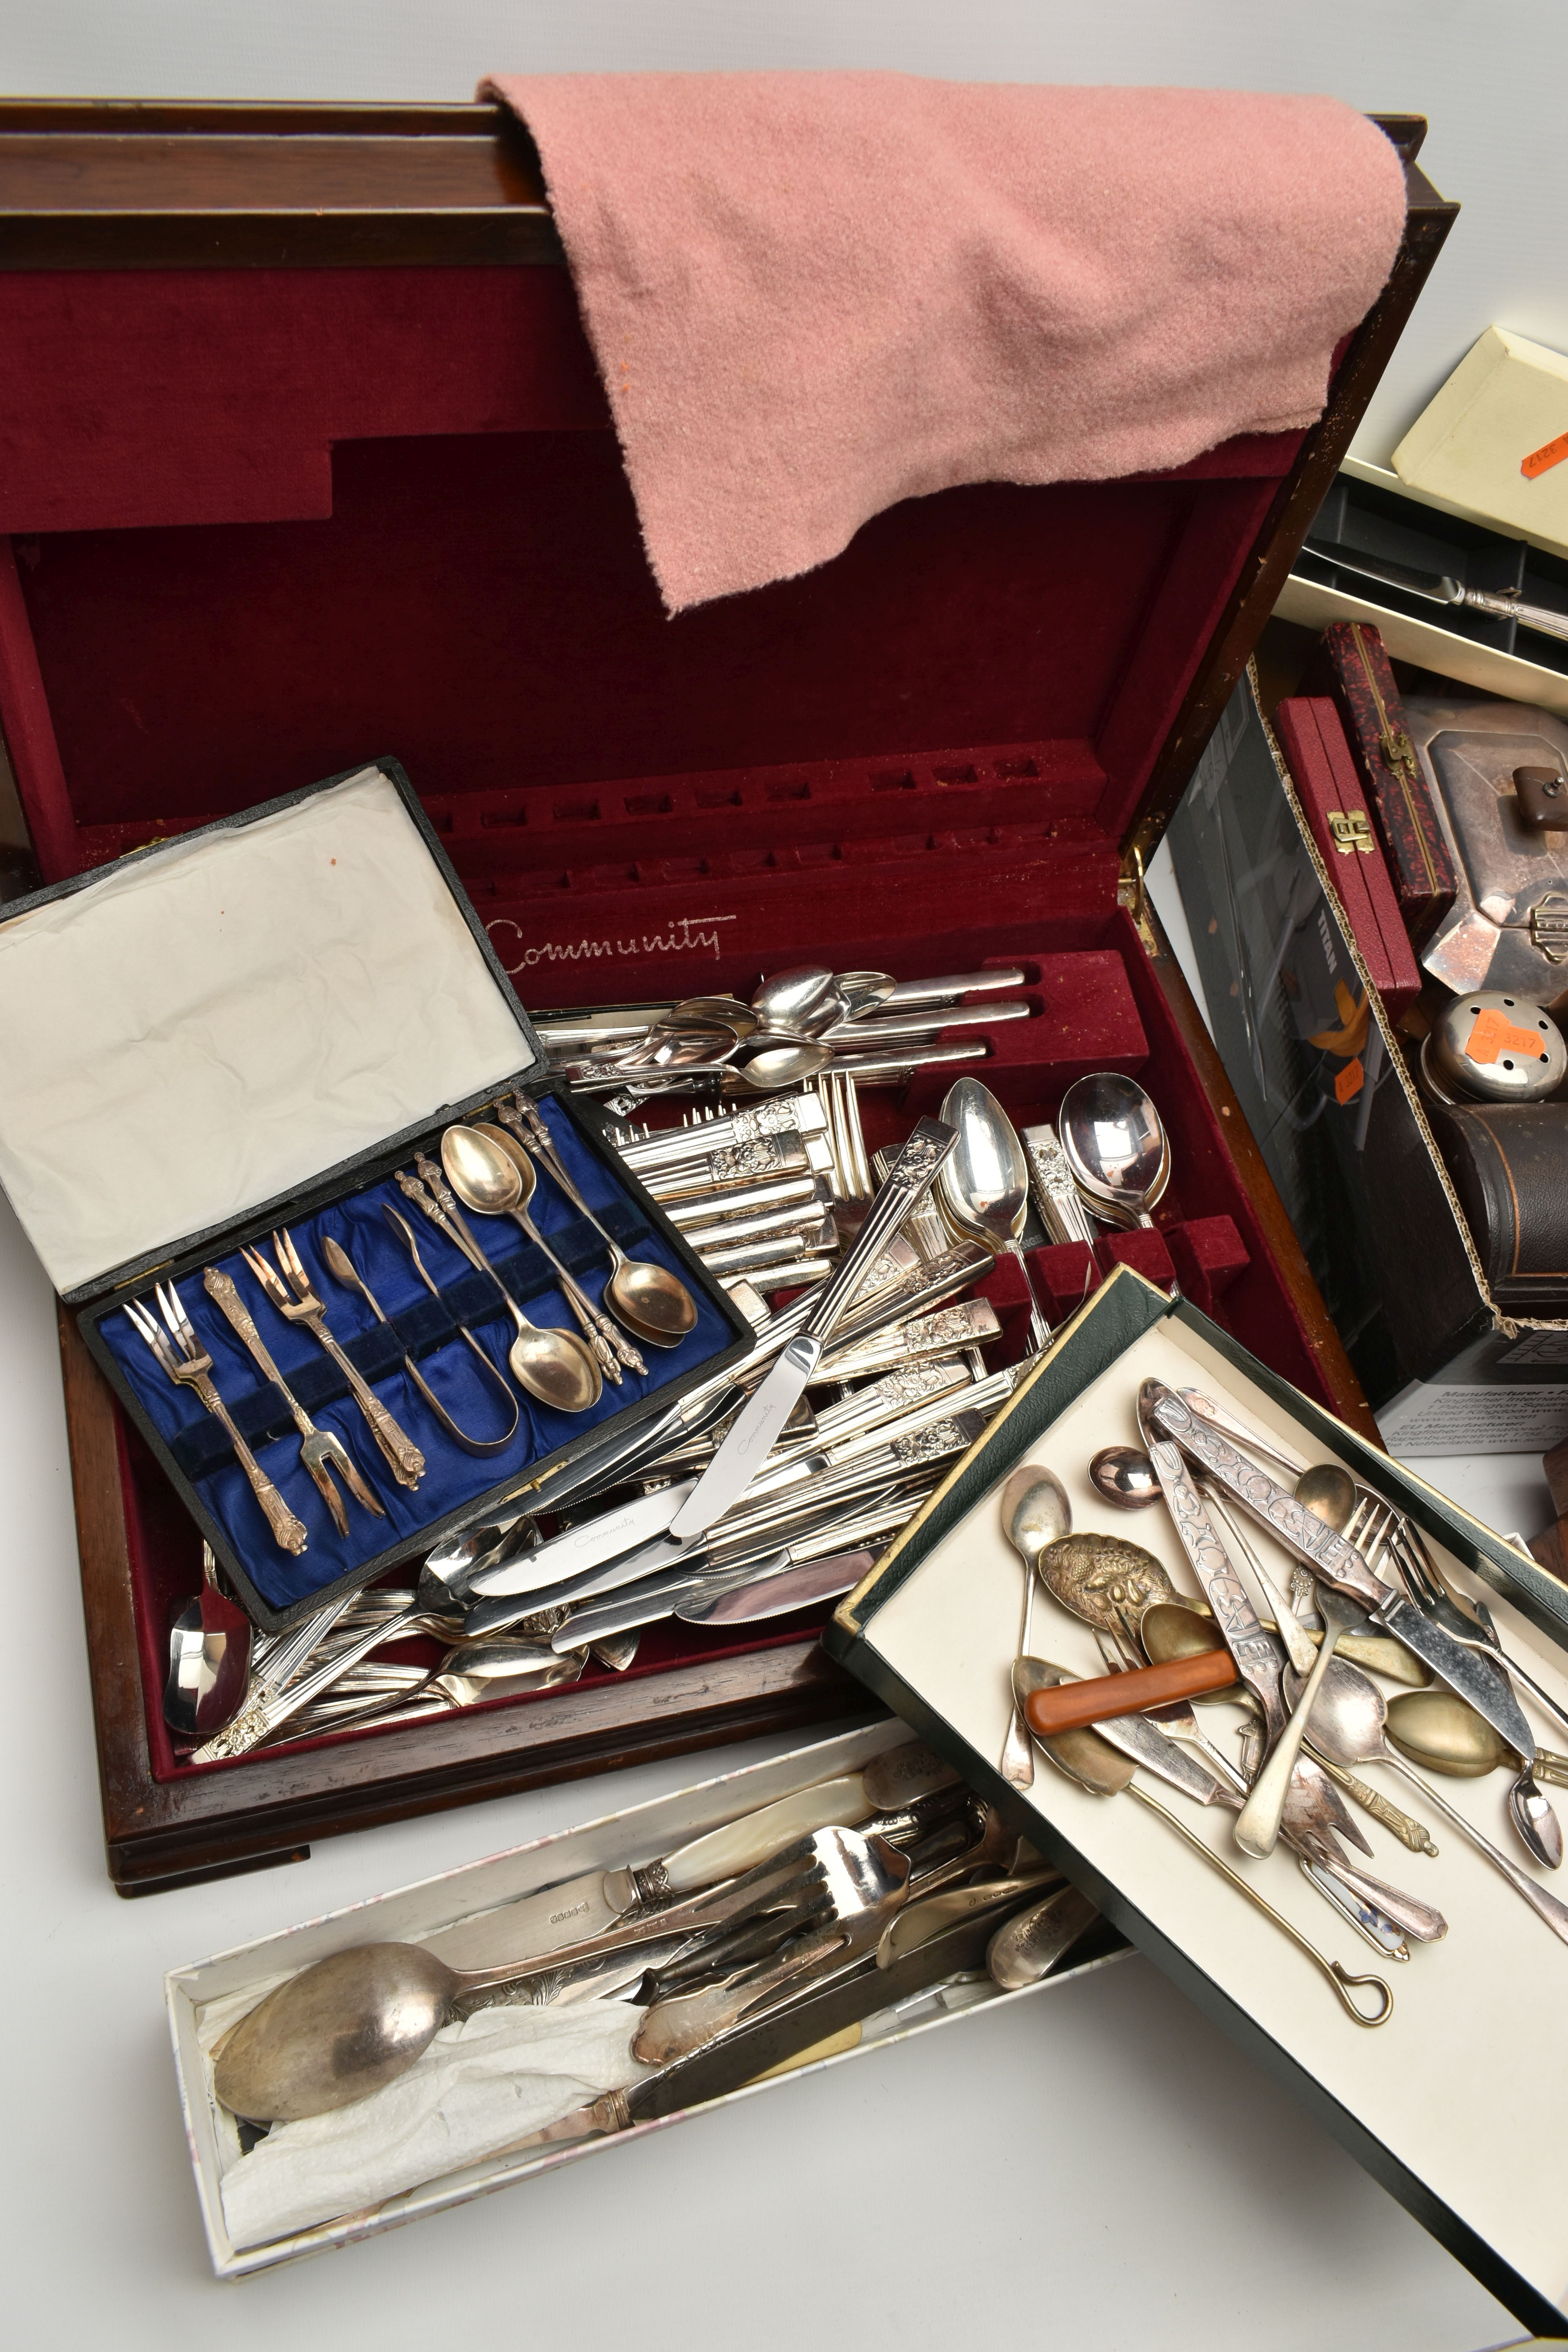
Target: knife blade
point(1438, 587)
point(1327, 1555)
point(778, 1595)
point(590, 1545)
point(750, 1437)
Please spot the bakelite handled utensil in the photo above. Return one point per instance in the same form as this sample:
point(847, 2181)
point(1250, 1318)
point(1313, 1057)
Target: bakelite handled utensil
point(1074, 1706)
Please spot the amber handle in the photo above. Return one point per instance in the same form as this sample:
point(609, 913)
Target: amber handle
point(1071, 1705)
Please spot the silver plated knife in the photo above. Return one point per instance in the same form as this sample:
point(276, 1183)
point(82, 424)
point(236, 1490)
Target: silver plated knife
point(1439, 587)
point(751, 1437)
point(1258, 1659)
point(1163, 1411)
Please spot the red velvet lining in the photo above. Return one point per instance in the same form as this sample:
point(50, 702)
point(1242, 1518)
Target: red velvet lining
point(271, 523)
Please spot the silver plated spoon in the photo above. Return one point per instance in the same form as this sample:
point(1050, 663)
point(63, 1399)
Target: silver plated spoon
point(1034, 1512)
point(650, 1299)
point(489, 1181)
point(1123, 1476)
point(1114, 1142)
point(784, 998)
point(984, 1185)
point(1348, 1724)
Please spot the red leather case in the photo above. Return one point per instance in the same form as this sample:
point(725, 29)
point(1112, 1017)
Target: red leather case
point(1320, 766)
point(284, 492)
point(1353, 667)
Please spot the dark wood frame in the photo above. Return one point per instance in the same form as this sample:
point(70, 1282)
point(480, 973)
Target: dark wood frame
point(206, 181)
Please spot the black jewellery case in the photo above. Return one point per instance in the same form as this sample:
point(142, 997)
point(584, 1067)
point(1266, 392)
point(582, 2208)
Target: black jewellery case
point(248, 1031)
point(1454, 2102)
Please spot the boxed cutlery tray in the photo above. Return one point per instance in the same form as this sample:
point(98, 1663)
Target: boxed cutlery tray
point(465, 1912)
point(257, 1073)
point(388, 508)
point(1452, 2104)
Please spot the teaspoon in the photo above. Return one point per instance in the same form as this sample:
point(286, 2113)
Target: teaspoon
point(1114, 1142)
point(784, 1000)
point(1035, 1513)
point(1124, 1477)
point(1438, 1730)
point(489, 1181)
point(554, 1366)
point(650, 1299)
point(1347, 1725)
point(984, 1185)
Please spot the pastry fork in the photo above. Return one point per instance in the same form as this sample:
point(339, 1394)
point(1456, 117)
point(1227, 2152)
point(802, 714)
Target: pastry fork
point(321, 1451)
point(188, 1364)
point(289, 1288)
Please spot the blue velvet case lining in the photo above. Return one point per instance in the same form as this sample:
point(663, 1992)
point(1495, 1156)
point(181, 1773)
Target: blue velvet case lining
point(428, 1329)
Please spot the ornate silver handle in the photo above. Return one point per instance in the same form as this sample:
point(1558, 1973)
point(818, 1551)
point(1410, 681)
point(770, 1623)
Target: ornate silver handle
point(1532, 616)
point(908, 1181)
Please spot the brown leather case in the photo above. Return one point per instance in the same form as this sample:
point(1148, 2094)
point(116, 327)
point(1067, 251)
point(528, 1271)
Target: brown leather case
point(1509, 1166)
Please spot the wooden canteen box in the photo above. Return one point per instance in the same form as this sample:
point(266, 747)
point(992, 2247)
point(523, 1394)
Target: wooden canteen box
point(306, 461)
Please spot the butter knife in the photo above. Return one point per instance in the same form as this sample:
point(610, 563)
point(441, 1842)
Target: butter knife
point(751, 1437)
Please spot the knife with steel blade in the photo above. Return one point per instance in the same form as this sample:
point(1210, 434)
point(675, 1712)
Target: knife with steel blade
point(1327, 1555)
point(751, 1437)
point(1437, 587)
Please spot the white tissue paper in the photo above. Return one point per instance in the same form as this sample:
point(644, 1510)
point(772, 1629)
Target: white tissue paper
point(498, 2076)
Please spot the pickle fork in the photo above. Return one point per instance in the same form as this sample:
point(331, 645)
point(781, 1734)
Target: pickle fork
point(321, 1451)
point(289, 1288)
point(188, 1364)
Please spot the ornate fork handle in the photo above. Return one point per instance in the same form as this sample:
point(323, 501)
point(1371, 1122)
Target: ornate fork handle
point(1412, 1834)
point(406, 1462)
point(289, 1532)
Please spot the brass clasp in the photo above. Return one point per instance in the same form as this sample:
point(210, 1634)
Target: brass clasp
point(1350, 831)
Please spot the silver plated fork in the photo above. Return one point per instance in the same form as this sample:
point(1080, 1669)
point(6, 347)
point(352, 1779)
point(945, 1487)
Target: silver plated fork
point(186, 1361)
point(287, 1286)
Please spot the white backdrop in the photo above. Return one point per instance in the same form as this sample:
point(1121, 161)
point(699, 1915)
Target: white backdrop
point(1488, 73)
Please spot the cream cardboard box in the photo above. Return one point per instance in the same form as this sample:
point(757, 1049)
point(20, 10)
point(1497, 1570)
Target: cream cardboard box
point(1507, 399)
point(1456, 2104)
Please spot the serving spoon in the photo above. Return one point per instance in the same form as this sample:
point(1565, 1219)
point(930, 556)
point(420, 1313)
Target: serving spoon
point(355, 2020)
point(648, 1299)
point(1114, 1143)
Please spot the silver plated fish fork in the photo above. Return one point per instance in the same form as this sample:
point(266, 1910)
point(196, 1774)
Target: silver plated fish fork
point(186, 1362)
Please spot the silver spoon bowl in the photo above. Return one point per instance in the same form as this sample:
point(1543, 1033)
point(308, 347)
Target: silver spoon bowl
point(1124, 1477)
point(784, 1000)
point(1035, 1513)
point(1114, 1142)
point(983, 1184)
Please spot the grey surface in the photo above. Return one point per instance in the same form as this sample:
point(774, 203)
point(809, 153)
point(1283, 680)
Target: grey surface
point(1061, 2160)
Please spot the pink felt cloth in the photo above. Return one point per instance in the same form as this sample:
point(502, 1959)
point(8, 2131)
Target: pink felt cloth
point(814, 294)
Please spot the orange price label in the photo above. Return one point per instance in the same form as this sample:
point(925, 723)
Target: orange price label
point(1542, 460)
point(1349, 1083)
point(1493, 1035)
